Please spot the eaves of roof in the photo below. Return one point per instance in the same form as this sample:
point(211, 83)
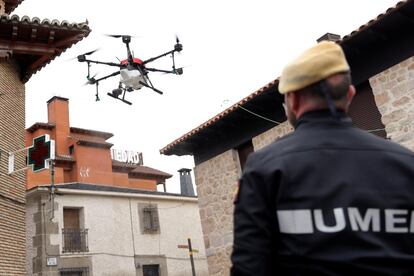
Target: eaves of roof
point(219, 116)
point(34, 43)
point(108, 189)
point(11, 5)
point(150, 172)
point(38, 125)
point(105, 135)
point(176, 147)
point(91, 142)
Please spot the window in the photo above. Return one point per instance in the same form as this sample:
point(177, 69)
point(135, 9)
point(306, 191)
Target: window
point(364, 111)
point(75, 238)
point(151, 270)
point(71, 150)
point(149, 218)
point(244, 150)
point(76, 271)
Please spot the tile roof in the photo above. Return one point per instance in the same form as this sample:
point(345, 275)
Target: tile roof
point(91, 141)
point(220, 115)
point(147, 171)
point(373, 21)
point(38, 125)
point(140, 170)
point(107, 188)
point(167, 149)
point(123, 165)
point(65, 158)
point(37, 42)
point(102, 134)
point(11, 5)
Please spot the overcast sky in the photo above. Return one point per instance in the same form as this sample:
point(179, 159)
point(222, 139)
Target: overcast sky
point(231, 49)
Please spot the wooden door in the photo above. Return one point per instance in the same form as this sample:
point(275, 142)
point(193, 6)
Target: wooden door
point(72, 232)
point(71, 218)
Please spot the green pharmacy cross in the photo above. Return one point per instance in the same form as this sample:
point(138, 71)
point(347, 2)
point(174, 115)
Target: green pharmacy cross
point(41, 152)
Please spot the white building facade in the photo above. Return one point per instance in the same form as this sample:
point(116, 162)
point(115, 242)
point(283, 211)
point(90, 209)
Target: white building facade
point(104, 230)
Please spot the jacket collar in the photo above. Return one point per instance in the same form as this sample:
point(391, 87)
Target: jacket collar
point(323, 117)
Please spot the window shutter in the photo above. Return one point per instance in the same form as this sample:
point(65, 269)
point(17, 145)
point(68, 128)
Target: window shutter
point(155, 219)
point(147, 219)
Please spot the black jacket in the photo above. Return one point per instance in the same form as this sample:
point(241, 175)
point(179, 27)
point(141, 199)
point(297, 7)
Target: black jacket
point(328, 199)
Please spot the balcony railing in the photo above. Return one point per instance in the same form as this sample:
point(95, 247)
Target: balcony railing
point(75, 240)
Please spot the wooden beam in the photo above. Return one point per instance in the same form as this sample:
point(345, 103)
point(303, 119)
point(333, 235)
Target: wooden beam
point(27, 48)
point(67, 41)
point(51, 37)
point(32, 67)
point(33, 34)
point(14, 33)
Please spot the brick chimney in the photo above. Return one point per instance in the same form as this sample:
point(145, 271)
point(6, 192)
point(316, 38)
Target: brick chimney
point(58, 114)
point(185, 182)
point(329, 37)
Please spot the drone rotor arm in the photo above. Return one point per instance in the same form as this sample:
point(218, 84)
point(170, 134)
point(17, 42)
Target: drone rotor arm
point(104, 63)
point(157, 57)
point(160, 70)
point(108, 76)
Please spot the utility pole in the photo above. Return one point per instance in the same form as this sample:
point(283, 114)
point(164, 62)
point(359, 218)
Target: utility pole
point(52, 187)
point(190, 250)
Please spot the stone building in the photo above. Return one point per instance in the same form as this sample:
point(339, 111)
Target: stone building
point(106, 217)
point(380, 54)
point(26, 46)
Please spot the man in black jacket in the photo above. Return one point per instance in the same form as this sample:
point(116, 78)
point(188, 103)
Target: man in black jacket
point(328, 199)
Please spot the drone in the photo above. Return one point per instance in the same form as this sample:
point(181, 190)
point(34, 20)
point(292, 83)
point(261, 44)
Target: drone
point(133, 71)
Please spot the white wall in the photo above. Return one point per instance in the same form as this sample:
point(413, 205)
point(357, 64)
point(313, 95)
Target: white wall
point(111, 240)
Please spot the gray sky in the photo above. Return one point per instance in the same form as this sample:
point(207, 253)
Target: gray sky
point(231, 49)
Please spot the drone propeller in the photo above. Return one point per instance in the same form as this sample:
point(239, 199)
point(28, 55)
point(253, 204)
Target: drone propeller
point(120, 36)
point(90, 53)
point(82, 57)
point(114, 36)
point(84, 54)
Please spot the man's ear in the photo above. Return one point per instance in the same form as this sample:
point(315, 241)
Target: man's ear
point(350, 95)
point(295, 99)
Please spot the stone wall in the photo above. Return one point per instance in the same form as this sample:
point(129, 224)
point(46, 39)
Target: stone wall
point(271, 135)
point(12, 187)
point(393, 90)
point(216, 183)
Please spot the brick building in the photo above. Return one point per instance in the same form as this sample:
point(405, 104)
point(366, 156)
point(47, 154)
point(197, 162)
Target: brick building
point(107, 217)
point(83, 155)
point(26, 46)
point(380, 54)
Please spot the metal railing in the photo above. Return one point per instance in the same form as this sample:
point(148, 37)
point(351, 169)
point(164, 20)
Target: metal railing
point(74, 240)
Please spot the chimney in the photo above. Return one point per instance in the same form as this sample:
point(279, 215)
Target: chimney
point(329, 37)
point(185, 182)
point(58, 114)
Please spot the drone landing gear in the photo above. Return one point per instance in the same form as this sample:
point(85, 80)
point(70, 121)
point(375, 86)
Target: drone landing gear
point(150, 87)
point(121, 99)
point(117, 92)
